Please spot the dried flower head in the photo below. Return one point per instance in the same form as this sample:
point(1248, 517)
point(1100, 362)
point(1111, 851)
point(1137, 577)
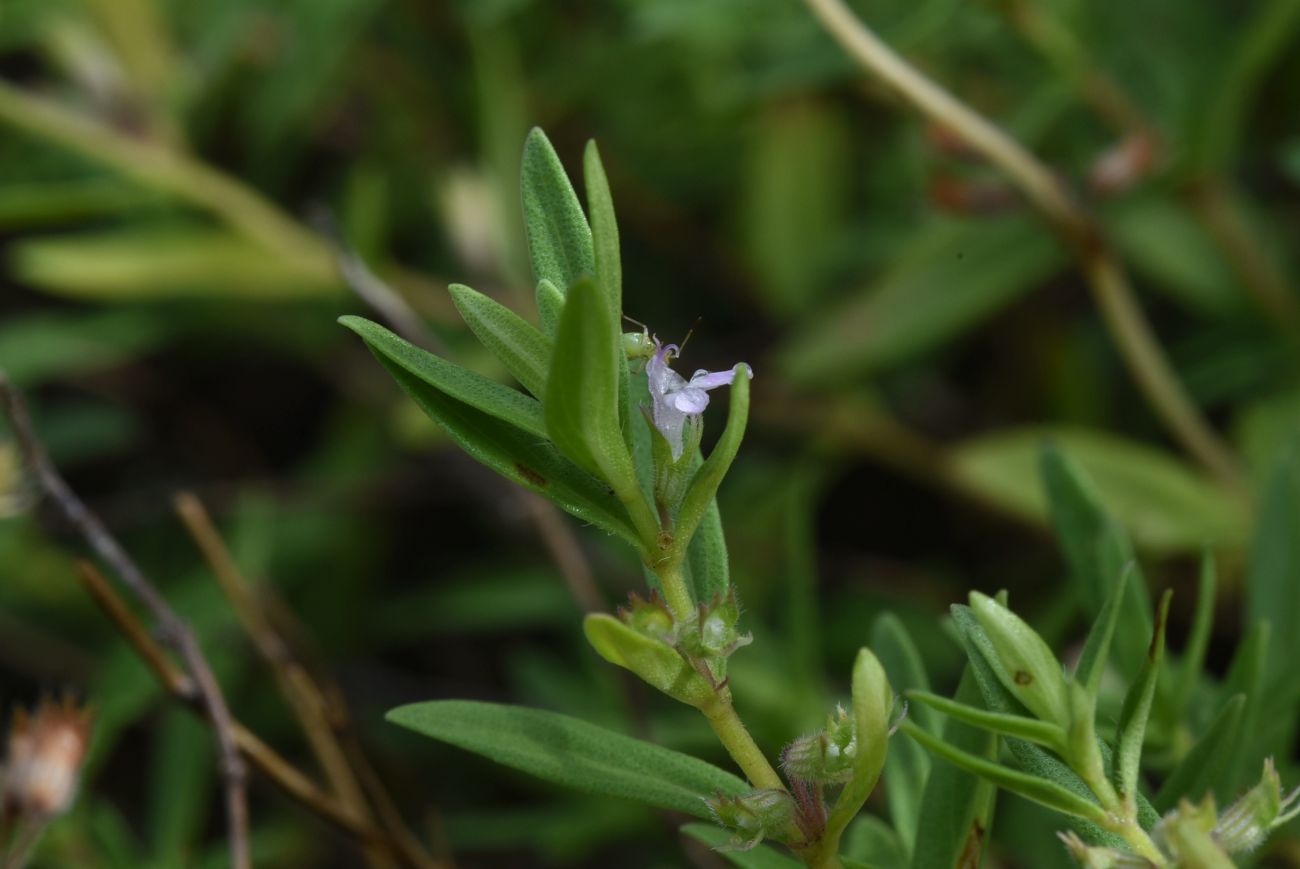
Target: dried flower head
point(46, 750)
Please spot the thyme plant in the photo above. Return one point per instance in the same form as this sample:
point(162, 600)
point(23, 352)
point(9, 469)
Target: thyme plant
point(605, 428)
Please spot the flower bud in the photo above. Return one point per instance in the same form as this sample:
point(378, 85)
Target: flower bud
point(44, 761)
point(650, 617)
point(1245, 824)
point(753, 816)
point(1025, 665)
point(1187, 835)
point(710, 631)
point(825, 757)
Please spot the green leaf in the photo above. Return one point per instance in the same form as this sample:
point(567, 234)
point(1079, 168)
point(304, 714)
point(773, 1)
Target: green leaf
point(572, 753)
point(707, 556)
point(1198, 639)
point(1031, 787)
point(952, 277)
point(492, 398)
point(1167, 506)
point(1020, 726)
point(524, 351)
point(604, 233)
point(559, 239)
point(550, 305)
point(515, 453)
point(1132, 727)
point(1029, 669)
point(1247, 674)
point(703, 488)
point(1096, 649)
point(169, 262)
point(1199, 770)
point(1272, 589)
point(869, 841)
point(956, 808)
point(872, 702)
point(907, 766)
point(759, 857)
point(1099, 555)
point(656, 662)
point(582, 400)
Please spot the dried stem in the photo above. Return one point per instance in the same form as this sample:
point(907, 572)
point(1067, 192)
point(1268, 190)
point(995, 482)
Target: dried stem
point(264, 758)
point(173, 631)
point(321, 717)
point(1106, 278)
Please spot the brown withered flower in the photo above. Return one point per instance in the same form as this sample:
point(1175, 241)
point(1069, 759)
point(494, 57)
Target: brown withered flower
point(43, 765)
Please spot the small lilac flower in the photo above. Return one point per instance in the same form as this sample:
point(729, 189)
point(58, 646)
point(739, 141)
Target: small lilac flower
point(675, 398)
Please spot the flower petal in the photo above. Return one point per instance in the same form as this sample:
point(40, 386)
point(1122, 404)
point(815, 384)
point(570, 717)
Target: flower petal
point(713, 379)
point(690, 400)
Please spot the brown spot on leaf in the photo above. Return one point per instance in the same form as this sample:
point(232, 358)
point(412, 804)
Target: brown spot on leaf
point(530, 475)
point(969, 858)
point(1023, 678)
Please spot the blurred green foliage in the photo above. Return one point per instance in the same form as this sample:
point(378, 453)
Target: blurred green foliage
point(169, 298)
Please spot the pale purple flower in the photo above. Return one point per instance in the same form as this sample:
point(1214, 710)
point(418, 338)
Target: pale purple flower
point(675, 398)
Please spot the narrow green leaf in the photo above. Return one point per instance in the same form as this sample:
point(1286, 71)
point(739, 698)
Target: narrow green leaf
point(1096, 649)
point(872, 703)
point(515, 453)
point(1031, 787)
point(1132, 727)
point(1029, 758)
point(869, 841)
point(758, 857)
point(550, 305)
point(907, 766)
point(524, 351)
point(1022, 727)
point(559, 239)
point(956, 809)
point(707, 557)
point(699, 497)
point(572, 753)
point(1199, 769)
point(1272, 592)
point(604, 232)
point(1098, 551)
point(488, 396)
point(582, 401)
point(656, 662)
point(1198, 640)
point(1247, 674)
point(1029, 669)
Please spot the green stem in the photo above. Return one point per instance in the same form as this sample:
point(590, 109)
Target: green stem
point(673, 585)
point(739, 744)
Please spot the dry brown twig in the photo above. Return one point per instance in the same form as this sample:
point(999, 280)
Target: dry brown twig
point(173, 632)
point(320, 711)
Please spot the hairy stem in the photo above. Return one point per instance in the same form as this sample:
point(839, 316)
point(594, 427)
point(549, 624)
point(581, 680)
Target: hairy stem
point(739, 744)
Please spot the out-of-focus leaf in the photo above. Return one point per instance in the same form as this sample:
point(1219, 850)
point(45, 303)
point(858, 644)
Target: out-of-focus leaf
point(572, 753)
point(950, 279)
point(907, 766)
point(524, 351)
point(869, 841)
point(147, 263)
point(500, 601)
point(515, 453)
point(795, 201)
point(1166, 245)
point(559, 238)
point(49, 345)
point(758, 857)
point(956, 807)
point(1199, 769)
point(180, 784)
point(1273, 585)
point(1165, 505)
point(49, 203)
point(1247, 674)
point(1099, 555)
